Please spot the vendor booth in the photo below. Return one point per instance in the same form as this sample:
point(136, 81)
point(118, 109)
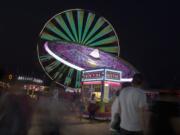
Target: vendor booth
point(103, 83)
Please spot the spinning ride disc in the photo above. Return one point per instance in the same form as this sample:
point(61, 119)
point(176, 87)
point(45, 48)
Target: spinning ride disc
point(82, 57)
point(75, 26)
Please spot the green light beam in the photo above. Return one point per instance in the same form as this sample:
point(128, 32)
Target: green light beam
point(104, 41)
point(72, 24)
point(49, 37)
point(103, 32)
point(54, 29)
point(80, 15)
point(89, 21)
point(98, 24)
point(62, 23)
point(45, 58)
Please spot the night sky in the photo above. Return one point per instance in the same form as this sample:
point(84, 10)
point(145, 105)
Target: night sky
point(142, 27)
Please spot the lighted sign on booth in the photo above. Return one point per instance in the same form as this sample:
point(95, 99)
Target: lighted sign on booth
point(112, 75)
point(93, 75)
point(101, 75)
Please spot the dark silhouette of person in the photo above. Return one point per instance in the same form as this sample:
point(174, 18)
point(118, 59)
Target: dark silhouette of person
point(92, 107)
point(163, 110)
point(15, 110)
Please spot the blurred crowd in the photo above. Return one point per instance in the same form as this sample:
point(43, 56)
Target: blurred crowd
point(22, 115)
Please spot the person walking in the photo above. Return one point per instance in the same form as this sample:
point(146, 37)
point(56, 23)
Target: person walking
point(132, 102)
point(92, 107)
point(115, 110)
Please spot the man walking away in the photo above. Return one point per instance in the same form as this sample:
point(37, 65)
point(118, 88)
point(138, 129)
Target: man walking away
point(132, 101)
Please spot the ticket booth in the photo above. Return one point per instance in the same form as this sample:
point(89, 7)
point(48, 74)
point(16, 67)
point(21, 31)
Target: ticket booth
point(103, 83)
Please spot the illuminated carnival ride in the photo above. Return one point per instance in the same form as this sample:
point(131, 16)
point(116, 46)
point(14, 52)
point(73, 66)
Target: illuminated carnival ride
point(79, 49)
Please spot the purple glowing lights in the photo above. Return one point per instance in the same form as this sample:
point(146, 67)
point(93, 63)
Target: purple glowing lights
point(79, 57)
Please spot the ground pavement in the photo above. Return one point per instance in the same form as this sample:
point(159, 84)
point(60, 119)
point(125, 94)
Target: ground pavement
point(49, 112)
point(85, 127)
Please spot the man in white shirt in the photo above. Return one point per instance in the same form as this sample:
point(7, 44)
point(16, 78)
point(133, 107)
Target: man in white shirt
point(132, 102)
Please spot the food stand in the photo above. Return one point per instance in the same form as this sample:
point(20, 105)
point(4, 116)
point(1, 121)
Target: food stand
point(103, 83)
